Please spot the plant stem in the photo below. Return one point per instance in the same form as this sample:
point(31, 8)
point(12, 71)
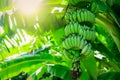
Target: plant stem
point(110, 27)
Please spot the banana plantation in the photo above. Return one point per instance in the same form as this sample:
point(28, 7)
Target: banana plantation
point(59, 39)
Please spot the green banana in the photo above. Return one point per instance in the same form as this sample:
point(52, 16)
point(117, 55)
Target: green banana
point(84, 50)
point(72, 29)
point(73, 35)
point(78, 42)
point(88, 50)
point(64, 45)
point(74, 16)
point(76, 27)
point(69, 28)
point(88, 35)
point(82, 43)
point(81, 32)
point(84, 34)
point(82, 16)
point(67, 43)
point(71, 19)
point(66, 30)
point(72, 40)
point(78, 16)
point(75, 41)
point(93, 35)
point(85, 15)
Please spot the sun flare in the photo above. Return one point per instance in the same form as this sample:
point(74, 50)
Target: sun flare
point(28, 6)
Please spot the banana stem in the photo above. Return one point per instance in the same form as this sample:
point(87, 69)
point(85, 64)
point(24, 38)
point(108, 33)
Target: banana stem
point(110, 27)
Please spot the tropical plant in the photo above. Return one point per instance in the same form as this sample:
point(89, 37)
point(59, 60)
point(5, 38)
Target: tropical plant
point(59, 40)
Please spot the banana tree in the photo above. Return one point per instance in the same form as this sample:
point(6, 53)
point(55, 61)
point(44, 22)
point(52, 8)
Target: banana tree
point(62, 40)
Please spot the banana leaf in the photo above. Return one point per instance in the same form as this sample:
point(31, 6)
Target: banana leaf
point(38, 73)
point(13, 67)
point(60, 71)
point(6, 5)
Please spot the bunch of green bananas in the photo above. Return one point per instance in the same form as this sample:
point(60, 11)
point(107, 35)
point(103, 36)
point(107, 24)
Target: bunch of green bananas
point(82, 15)
point(74, 2)
point(77, 42)
point(79, 30)
point(74, 42)
point(68, 14)
point(83, 30)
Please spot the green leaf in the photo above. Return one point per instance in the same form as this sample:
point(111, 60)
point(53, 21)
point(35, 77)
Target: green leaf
point(102, 6)
point(6, 5)
point(14, 66)
point(59, 35)
point(110, 27)
point(60, 71)
point(91, 67)
point(109, 76)
point(85, 75)
point(38, 73)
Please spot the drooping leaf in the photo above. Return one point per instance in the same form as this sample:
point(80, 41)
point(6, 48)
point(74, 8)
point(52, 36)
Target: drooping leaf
point(60, 71)
point(15, 66)
point(91, 67)
point(109, 76)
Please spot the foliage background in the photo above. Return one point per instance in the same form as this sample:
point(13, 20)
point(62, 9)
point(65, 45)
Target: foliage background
point(33, 43)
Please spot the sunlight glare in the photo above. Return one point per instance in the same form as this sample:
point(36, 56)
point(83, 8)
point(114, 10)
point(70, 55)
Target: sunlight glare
point(1, 30)
point(28, 7)
point(59, 9)
point(10, 22)
point(98, 55)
